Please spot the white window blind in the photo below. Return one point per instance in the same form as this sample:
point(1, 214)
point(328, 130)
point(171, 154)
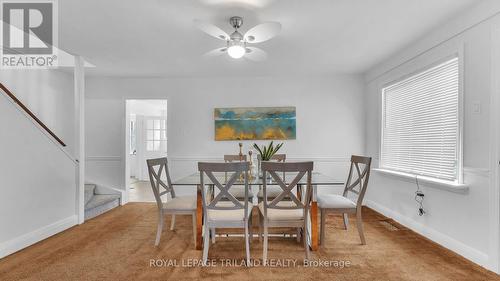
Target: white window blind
point(421, 123)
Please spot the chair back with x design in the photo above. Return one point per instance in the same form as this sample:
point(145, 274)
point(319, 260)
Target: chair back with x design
point(236, 169)
point(275, 157)
point(234, 157)
point(302, 169)
point(357, 181)
point(156, 167)
point(228, 158)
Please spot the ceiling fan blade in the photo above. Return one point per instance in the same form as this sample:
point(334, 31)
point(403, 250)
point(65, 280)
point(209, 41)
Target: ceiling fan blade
point(262, 32)
point(216, 52)
point(255, 54)
point(211, 30)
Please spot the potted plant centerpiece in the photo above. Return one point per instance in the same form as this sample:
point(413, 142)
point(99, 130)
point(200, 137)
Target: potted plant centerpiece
point(266, 153)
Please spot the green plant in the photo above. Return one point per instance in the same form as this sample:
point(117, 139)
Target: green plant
point(267, 151)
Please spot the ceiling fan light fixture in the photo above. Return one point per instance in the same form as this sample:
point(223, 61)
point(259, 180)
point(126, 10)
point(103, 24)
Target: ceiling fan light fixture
point(236, 49)
point(236, 43)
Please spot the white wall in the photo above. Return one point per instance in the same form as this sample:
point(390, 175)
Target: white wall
point(461, 222)
point(330, 119)
point(38, 191)
point(49, 95)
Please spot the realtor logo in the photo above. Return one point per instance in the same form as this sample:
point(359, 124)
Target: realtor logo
point(29, 34)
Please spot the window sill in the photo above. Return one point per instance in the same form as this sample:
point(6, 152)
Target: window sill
point(430, 182)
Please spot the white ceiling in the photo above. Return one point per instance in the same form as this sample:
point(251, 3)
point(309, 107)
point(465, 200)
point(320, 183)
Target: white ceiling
point(158, 38)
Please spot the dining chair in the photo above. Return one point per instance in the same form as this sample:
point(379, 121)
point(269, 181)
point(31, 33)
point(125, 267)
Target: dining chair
point(283, 212)
point(234, 157)
point(224, 210)
point(237, 191)
point(272, 191)
point(357, 182)
point(275, 157)
point(176, 205)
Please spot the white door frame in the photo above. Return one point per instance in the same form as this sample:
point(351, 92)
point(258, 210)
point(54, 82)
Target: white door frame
point(79, 103)
point(126, 150)
point(494, 255)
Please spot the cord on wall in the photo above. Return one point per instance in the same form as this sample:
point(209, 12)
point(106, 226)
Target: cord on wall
point(419, 197)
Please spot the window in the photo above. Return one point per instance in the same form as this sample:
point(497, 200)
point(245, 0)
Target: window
point(420, 124)
point(156, 135)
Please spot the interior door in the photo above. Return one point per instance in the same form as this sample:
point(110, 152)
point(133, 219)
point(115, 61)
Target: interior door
point(153, 143)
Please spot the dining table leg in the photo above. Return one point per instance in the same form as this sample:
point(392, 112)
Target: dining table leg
point(199, 219)
point(314, 217)
point(314, 225)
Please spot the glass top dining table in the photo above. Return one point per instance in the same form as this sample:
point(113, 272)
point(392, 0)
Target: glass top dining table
point(316, 180)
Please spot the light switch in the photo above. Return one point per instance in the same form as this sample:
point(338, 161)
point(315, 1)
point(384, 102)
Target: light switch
point(476, 107)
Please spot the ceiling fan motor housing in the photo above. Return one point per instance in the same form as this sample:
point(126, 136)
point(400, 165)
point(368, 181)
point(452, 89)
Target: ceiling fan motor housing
point(236, 36)
point(236, 23)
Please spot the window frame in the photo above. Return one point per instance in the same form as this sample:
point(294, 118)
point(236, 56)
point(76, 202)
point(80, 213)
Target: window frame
point(162, 129)
point(459, 55)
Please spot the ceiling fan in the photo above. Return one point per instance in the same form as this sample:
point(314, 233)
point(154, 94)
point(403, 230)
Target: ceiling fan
point(238, 45)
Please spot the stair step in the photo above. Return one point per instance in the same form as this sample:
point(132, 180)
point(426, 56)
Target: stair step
point(89, 192)
point(101, 199)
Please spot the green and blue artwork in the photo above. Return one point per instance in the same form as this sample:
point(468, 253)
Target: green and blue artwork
point(255, 123)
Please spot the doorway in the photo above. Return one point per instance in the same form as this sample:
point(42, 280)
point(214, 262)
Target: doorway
point(146, 138)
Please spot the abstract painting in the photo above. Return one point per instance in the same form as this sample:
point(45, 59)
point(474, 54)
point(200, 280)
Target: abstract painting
point(255, 123)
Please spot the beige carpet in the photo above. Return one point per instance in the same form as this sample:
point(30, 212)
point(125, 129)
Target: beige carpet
point(119, 246)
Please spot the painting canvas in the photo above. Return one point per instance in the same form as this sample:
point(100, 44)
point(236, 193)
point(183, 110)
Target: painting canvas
point(255, 123)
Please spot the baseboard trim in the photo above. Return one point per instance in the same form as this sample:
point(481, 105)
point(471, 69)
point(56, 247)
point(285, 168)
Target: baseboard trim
point(28, 239)
point(446, 241)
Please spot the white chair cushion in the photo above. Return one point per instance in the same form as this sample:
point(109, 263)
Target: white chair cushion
point(228, 215)
point(239, 192)
point(335, 201)
point(283, 214)
point(182, 203)
point(272, 191)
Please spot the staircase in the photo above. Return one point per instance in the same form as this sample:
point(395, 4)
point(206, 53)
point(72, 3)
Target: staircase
point(38, 176)
point(100, 199)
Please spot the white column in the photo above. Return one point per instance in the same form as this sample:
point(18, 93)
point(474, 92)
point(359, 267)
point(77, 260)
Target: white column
point(79, 92)
point(494, 192)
